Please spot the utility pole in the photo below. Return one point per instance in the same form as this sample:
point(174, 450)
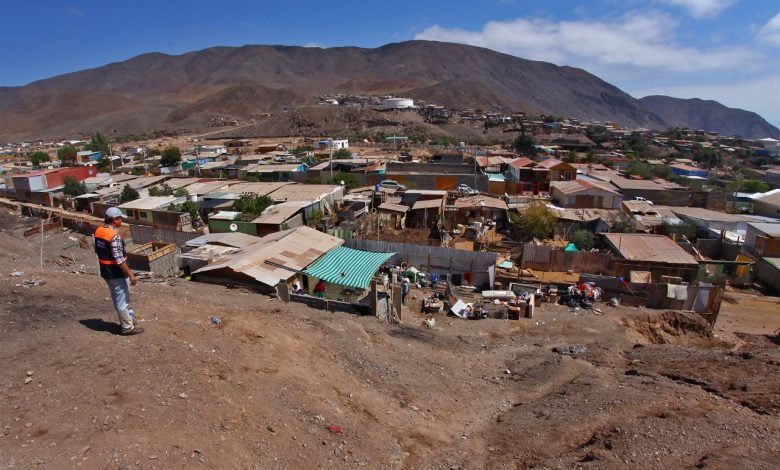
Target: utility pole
point(475, 167)
point(330, 159)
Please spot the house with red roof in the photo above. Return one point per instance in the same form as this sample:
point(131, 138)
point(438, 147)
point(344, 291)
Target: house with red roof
point(585, 194)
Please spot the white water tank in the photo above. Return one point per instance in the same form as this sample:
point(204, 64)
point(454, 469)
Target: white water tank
point(398, 103)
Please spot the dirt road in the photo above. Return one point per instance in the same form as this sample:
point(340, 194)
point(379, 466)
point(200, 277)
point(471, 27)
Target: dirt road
point(262, 389)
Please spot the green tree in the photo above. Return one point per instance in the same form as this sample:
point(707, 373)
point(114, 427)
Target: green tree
point(350, 180)
point(706, 156)
point(679, 231)
point(582, 239)
point(639, 169)
point(570, 157)
point(171, 156)
point(524, 144)
point(251, 205)
point(191, 208)
point(36, 158)
point(749, 186)
point(67, 154)
point(622, 223)
point(128, 194)
point(636, 143)
point(598, 134)
point(73, 187)
point(342, 154)
point(302, 149)
point(162, 190)
point(314, 217)
point(98, 143)
point(538, 220)
point(181, 192)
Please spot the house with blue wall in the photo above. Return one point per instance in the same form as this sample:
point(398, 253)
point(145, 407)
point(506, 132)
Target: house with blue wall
point(689, 171)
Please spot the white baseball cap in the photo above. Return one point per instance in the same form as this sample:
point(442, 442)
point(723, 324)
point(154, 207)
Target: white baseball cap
point(114, 212)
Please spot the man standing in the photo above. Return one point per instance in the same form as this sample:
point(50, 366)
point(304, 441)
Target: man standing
point(404, 290)
point(110, 249)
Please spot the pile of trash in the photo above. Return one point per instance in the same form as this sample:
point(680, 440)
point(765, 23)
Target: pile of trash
point(584, 295)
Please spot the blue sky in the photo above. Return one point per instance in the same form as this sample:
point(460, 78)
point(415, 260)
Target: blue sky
point(727, 50)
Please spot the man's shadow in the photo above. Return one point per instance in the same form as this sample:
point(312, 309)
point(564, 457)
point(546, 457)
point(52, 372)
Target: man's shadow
point(97, 324)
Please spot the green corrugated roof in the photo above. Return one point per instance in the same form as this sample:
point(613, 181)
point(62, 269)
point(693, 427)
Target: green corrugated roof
point(347, 267)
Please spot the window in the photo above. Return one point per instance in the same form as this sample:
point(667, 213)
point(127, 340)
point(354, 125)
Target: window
point(142, 214)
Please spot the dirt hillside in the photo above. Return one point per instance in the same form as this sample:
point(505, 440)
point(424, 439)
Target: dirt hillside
point(283, 386)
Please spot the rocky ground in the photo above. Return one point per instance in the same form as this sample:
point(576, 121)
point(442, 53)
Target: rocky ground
point(283, 386)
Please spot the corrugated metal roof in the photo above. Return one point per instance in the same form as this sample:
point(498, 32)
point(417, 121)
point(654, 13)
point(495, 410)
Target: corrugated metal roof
point(261, 189)
point(574, 186)
point(150, 203)
point(474, 201)
point(303, 192)
point(278, 256)
point(773, 230)
point(646, 247)
point(393, 207)
point(428, 204)
point(713, 216)
point(234, 239)
point(348, 267)
point(206, 187)
point(278, 213)
point(522, 162)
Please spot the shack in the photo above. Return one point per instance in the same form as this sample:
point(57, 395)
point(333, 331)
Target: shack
point(658, 254)
point(347, 272)
point(277, 257)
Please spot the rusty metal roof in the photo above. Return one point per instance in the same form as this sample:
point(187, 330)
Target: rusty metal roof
point(278, 256)
point(651, 248)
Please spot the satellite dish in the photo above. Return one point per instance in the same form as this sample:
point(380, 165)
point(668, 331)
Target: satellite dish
point(233, 227)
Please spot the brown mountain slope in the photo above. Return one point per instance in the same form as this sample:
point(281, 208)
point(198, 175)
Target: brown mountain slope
point(238, 100)
point(458, 75)
point(711, 116)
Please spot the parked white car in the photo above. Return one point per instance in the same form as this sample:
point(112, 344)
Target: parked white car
point(466, 190)
point(392, 184)
point(641, 199)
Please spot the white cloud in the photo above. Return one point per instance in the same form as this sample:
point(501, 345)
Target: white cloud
point(754, 94)
point(641, 40)
point(702, 8)
point(770, 32)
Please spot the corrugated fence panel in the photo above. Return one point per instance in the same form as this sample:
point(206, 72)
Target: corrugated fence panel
point(430, 258)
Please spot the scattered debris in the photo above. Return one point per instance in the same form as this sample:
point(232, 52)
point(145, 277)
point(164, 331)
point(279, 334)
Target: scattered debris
point(182, 395)
point(569, 350)
point(216, 320)
point(34, 283)
point(335, 429)
point(17, 274)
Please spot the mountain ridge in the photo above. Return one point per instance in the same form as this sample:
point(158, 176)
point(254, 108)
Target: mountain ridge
point(157, 91)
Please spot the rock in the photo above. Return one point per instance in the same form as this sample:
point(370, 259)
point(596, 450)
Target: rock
point(29, 373)
point(28, 380)
point(182, 395)
point(271, 428)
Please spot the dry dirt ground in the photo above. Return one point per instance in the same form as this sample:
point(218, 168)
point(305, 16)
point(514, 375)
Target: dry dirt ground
point(260, 390)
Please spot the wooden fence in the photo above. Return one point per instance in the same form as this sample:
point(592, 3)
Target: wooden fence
point(546, 258)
